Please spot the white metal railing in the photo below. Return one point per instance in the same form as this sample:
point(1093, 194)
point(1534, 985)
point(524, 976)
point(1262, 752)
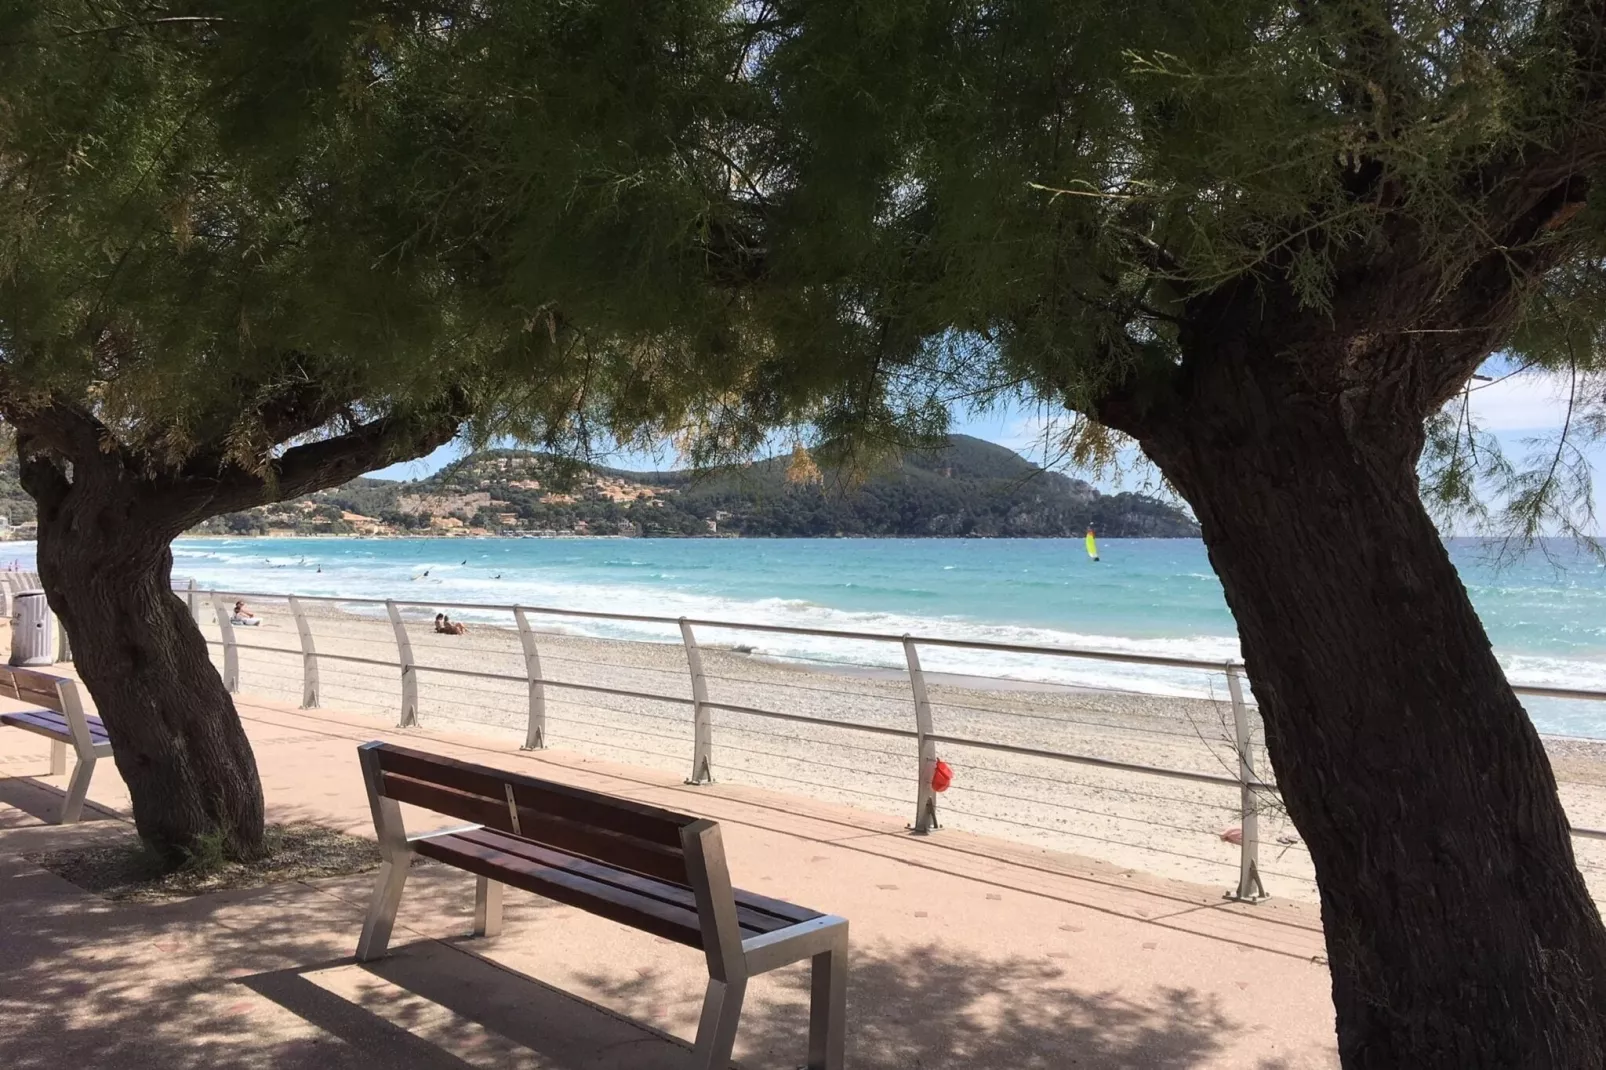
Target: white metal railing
point(926, 740)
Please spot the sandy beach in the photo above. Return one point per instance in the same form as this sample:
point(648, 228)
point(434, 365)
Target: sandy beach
point(1165, 826)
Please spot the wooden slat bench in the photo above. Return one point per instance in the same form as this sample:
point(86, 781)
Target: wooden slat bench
point(57, 713)
point(651, 869)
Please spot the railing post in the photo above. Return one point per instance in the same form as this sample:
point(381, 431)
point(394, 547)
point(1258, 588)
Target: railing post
point(535, 735)
point(409, 675)
point(1250, 889)
point(309, 657)
point(702, 727)
point(925, 795)
point(195, 611)
point(231, 653)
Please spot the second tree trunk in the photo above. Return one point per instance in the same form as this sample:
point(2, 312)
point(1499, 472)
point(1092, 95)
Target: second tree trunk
point(1460, 933)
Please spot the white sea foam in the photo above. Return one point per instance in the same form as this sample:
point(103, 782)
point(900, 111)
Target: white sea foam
point(528, 587)
point(384, 569)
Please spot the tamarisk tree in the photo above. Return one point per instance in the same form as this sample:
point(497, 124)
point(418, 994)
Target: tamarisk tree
point(247, 250)
point(1267, 241)
point(250, 250)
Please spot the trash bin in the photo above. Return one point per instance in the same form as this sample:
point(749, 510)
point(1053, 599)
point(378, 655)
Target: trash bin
point(33, 630)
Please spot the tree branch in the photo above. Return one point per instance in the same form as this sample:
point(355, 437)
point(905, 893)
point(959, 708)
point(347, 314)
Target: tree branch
point(41, 476)
point(50, 422)
point(327, 462)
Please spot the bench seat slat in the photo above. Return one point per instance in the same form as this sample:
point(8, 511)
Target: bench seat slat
point(754, 920)
point(51, 721)
point(595, 897)
point(576, 804)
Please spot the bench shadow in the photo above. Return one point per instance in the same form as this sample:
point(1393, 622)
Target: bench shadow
point(97, 984)
point(935, 1010)
point(36, 797)
point(428, 1001)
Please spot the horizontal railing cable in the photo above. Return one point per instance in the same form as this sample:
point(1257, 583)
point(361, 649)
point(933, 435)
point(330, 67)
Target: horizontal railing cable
point(893, 681)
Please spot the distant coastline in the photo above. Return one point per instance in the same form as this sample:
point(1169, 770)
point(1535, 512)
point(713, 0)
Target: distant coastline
point(971, 489)
point(472, 533)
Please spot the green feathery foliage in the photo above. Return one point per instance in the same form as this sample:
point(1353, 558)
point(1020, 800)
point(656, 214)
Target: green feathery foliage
point(714, 218)
point(229, 227)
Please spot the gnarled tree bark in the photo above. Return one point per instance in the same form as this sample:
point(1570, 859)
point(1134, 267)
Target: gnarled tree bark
point(107, 518)
point(106, 565)
point(1459, 931)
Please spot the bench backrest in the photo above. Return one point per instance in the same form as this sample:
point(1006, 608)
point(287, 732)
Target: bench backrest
point(61, 694)
point(615, 831)
point(37, 688)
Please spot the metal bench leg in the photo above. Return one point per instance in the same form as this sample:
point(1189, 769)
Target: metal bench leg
point(487, 907)
point(716, 1032)
point(72, 807)
point(382, 909)
point(58, 757)
point(828, 1008)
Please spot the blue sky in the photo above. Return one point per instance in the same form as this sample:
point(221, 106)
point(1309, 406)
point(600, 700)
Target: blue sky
point(1017, 428)
point(1515, 410)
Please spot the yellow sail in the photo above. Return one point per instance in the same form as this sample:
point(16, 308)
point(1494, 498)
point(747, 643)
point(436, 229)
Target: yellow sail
point(1092, 546)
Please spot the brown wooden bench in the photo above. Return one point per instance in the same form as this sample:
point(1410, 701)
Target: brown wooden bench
point(57, 713)
point(651, 869)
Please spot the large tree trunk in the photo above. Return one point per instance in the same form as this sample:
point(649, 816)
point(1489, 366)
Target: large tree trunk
point(1459, 931)
point(177, 740)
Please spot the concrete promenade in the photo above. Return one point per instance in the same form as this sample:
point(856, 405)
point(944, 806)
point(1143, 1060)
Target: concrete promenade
point(968, 952)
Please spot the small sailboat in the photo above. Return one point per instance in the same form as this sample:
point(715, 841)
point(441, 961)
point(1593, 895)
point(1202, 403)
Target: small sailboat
point(1092, 545)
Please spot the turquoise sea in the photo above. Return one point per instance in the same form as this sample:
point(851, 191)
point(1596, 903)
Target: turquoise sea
point(1546, 613)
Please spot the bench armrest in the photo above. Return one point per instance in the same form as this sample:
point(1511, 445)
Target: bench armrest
point(448, 831)
point(770, 951)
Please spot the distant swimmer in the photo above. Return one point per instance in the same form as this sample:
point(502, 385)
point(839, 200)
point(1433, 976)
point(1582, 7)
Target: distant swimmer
point(465, 560)
point(1092, 545)
point(497, 576)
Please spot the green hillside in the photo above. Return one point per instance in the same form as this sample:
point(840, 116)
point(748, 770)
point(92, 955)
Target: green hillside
point(970, 488)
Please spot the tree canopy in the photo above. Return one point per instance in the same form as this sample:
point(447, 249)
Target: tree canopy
point(225, 223)
point(346, 228)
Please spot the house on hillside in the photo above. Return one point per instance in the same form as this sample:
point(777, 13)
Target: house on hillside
point(364, 525)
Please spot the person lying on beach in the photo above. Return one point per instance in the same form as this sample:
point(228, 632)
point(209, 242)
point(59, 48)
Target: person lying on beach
point(444, 625)
point(244, 616)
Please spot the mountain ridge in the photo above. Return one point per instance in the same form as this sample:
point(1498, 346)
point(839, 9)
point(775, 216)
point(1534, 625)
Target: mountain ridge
point(969, 488)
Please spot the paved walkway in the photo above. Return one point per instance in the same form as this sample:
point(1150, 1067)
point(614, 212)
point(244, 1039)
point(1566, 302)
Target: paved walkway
point(968, 952)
